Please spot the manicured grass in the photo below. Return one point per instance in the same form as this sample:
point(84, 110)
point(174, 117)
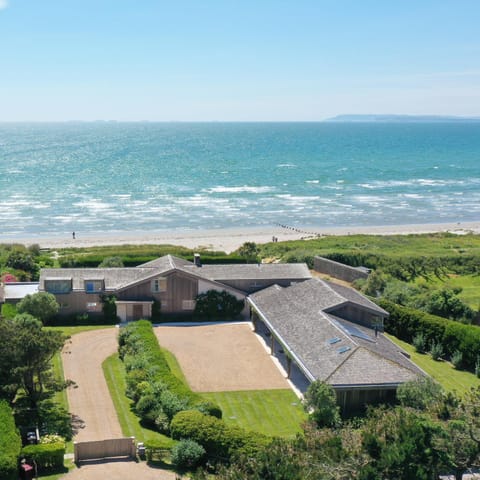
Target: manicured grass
point(115, 376)
point(69, 331)
point(174, 365)
point(272, 412)
point(443, 372)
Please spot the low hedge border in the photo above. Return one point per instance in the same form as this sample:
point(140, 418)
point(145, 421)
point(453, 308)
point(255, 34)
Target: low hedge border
point(406, 323)
point(47, 456)
point(10, 443)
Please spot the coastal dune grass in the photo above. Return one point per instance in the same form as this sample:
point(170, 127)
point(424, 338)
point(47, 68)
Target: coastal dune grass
point(276, 413)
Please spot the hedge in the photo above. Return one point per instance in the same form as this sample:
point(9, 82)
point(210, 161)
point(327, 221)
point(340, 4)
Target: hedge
point(219, 440)
point(10, 443)
point(405, 323)
point(93, 261)
point(47, 456)
point(158, 394)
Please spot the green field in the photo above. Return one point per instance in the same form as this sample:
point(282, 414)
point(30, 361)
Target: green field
point(470, 285)
point(272, 412)
point(452, 380)
point(130, 423)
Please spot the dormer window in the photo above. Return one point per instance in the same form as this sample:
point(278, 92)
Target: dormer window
point(58, 285)
point(159, 285)
point(93, 286)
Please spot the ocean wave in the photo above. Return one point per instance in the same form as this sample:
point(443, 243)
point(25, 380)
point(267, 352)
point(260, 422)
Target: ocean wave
point(243, 189)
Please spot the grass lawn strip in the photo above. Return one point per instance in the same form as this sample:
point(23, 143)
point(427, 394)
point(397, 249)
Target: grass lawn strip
point(444, 373)
point(129, 422)
point(271, 412)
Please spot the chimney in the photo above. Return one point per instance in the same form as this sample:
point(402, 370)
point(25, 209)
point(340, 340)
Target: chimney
point(196, 260)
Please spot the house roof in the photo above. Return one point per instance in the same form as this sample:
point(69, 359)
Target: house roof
point(226, 272)
point(121, 278)
point(327, 347)
point(252, 271)
point(19, 290)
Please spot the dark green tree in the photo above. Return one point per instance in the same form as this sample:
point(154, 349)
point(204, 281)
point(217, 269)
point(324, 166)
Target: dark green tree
point(420, 394)
point(218, 305)
point(41, 305)
point(321, 404)
point(402, 445)
point(249, 251)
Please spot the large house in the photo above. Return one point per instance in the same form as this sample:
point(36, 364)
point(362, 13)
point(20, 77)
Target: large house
point(317, 329)
point(333, 333)
point(172, 281)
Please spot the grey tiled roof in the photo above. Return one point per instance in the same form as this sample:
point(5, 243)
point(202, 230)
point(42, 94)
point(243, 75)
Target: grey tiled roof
point(296, 316)
point(114, 278)
point(252, 271)
point(167, 262)
point(353, 296)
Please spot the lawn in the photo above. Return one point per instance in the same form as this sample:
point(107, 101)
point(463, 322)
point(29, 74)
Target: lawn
point(272, 412)
point(130, 423)
point(443, 372)
point(470, 285)
point(69, 331)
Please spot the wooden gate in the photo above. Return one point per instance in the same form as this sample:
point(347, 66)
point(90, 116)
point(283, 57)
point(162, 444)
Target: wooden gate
point(116, 447)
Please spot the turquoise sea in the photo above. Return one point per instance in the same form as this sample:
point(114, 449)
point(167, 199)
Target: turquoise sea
point(107, 178)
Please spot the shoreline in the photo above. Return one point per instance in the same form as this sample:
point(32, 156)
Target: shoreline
point(228, 240)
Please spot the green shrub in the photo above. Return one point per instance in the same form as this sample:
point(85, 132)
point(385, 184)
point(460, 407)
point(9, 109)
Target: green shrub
point(47, 456)
point(457, 359)
point(419, 343)
point(436, 351)
point(10, 443)
point(406, 323)
point(220, 440)
point(419, 393)
point(213, 305)
point(187, 454)
point(209, 408)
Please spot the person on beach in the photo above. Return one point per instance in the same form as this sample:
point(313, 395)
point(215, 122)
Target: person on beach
point(73, 235)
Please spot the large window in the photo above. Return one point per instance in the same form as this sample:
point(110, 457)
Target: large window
point(93, 286)
point(60, 285)
point(188, 304)
point(159, 285)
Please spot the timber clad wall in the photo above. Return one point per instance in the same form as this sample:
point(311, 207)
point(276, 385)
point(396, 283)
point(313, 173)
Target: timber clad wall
point(337, 270)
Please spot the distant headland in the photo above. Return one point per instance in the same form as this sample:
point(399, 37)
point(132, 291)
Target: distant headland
point(400, 118)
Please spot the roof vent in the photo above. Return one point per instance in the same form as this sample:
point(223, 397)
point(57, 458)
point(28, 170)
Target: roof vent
point(197, 260)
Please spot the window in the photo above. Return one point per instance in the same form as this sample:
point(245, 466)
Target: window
point(93, 286)
point(188, 304)
point(159, 285)
point(59, 285)
point(92, 306)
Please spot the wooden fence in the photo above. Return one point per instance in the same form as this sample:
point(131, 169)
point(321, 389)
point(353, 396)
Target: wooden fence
point(116, 447)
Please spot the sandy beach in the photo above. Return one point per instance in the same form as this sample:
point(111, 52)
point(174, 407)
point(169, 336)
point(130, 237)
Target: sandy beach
point(228, 240)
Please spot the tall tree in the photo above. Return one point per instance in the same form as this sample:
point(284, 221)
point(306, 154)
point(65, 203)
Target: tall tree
point(41, 305)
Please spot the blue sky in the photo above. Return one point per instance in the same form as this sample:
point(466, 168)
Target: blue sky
point(237, 60)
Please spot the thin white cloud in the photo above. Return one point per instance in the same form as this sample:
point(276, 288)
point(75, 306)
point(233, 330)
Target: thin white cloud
point(3, 4)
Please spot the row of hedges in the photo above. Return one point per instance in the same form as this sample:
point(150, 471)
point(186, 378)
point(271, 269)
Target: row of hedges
point(46, 456)
point(10, 443)
point(406, 323)
point(93, 261)
point(158, 393)
point(220, 441)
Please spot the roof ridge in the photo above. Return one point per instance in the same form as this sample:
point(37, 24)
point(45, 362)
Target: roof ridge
point(341, 363)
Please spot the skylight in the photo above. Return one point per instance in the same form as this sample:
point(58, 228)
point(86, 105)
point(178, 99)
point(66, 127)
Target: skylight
point(343, 349)
point(334, 340)
point(353, 331)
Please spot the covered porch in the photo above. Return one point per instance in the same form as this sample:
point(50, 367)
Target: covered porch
point(129, 310)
